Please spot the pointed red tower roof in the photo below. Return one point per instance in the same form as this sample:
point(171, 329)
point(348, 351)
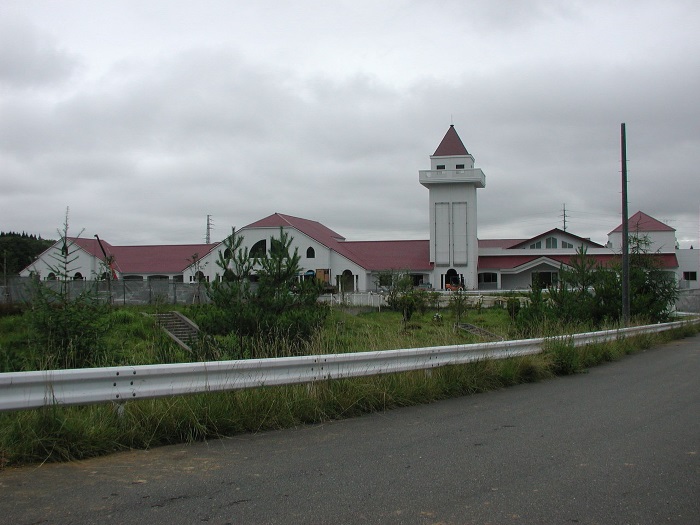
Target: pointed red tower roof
point(451, 145)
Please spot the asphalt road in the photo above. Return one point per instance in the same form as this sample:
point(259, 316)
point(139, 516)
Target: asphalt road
point(617, 445)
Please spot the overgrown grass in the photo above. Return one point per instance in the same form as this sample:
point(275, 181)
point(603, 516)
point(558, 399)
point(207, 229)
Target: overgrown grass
point(66, 433)
point(130, 338)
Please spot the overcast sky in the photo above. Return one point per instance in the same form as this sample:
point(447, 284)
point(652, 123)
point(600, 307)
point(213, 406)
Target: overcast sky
point(143, 117)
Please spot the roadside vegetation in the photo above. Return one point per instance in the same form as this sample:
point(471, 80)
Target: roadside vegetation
point(277, 317)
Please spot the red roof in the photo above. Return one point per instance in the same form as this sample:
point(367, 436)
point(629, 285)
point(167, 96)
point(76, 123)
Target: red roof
point(641, 222)
point(313, 229)
point(451, 145)
point(371, 255)
point(499, 243)
point(391, 255)
point(161, 259)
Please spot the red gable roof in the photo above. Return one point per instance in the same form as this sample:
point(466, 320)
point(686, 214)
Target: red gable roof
point(313, 229)
point(451, 145)
point(641, 222)
point(92, 246)
point(161, 259)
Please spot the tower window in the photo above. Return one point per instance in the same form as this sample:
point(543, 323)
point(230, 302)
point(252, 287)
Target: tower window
point(441, 166)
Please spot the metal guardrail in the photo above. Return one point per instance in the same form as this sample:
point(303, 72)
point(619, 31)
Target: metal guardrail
point(26, 390)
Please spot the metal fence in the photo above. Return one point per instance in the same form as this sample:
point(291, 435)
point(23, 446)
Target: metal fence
point(121, 292)
point(25, 390)
point(125, 292)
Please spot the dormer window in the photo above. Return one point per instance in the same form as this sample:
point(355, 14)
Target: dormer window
point(441, 166)
point(565, 244)
point(536, 245)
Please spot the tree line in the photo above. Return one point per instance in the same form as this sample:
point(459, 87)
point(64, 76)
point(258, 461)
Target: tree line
point(18, 250)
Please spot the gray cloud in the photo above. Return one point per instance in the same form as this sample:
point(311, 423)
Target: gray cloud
point(30, 59)
point(147, 144)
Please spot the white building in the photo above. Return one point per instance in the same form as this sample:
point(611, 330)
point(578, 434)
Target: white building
point(452, 181)
point(452, 254)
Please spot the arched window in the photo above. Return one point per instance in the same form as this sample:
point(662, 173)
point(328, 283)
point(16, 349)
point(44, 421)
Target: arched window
point(259, 249)
point(78, 276)
point(51, 277)
point(310, 253)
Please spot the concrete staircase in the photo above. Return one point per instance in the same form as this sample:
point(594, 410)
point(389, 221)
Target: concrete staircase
point(179, 328)
point(485, 334)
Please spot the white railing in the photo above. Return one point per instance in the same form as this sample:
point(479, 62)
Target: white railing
point(373, 299)
point(25, 390)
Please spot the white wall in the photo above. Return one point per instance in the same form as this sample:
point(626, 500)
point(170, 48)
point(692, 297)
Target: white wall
point(444, 251)
point(660, 241)
point(688, 261)
point(87, 265)
point(252, 236)
point(450, 162)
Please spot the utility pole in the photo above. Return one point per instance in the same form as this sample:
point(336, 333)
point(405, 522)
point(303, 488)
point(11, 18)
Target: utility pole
point(625, 233)
point(4, 272)
point(210, 225)
point(564, 215)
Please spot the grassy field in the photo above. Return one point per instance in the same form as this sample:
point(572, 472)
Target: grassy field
point(133, 338)
point(65, 433)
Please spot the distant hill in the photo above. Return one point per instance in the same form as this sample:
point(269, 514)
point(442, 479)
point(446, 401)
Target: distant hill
point(18, 250)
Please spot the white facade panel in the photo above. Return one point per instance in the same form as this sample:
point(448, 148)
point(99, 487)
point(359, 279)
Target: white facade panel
point(459, 234)
point(442, 233)
point(664, 242)
point(321, 259)
point(688, 269)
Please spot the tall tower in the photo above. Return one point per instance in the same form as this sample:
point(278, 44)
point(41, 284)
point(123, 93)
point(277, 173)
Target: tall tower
point(452, 181)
